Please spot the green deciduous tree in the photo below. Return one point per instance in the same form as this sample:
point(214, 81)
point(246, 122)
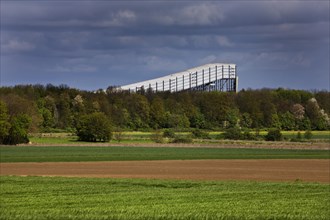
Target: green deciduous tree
point(233, 117)
point(176, 121)
point(246, 120)
point(274, 135)
point(4, 122)
point(276, 123)
point(197, 120)
point(94, 127)
point(304, 124)
point(56, 106)
point(157, 113)
point(139, 109)
point(13, 130)
point(18, 132)
point(287, 121)
point(20, 105)
point(63, 106)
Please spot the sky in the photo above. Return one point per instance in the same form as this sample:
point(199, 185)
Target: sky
point(91, 45)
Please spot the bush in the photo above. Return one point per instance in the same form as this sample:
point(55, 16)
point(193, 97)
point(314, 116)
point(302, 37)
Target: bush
point(274, 135)
point(157, 137)
point(298, 138)
point(200, 134)
point(233, 133)
point(118, 135)
point(246, 135)
point(169, 134)
point(181, 139)
point(308, 135)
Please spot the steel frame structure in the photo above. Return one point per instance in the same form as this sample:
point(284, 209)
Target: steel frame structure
point(208, 77)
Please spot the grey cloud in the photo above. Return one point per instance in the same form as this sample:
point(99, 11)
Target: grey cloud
point(78, 68)
point(142, 39)
point(14, 45)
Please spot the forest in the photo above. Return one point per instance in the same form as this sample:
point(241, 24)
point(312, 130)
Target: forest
point(39, 108)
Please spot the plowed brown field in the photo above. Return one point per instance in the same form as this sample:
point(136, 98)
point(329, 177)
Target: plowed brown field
point(311, 170)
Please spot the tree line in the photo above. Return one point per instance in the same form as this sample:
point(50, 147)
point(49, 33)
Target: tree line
point(49, 108)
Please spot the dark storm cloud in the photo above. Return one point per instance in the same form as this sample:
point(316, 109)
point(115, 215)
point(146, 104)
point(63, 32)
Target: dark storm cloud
point(92, 44)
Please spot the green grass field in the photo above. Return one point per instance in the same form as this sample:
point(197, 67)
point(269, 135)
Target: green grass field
point(56, 154)
point(100, 198)
point(144, 137)
point(88, 198)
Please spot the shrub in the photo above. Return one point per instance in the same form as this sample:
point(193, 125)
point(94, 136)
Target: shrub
point(274, 135)
point(169, 134)
point(246, 135)
point(233, 133)
point(157, 137)
point(181, 139)
point(118, 135)
point(200, 134)
point(308, 135)
point(299, 137)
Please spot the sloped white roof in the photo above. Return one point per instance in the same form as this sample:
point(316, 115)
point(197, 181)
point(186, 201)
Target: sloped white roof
point(176, 75)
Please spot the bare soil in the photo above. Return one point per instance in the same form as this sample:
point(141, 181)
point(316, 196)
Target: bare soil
point(310, 170)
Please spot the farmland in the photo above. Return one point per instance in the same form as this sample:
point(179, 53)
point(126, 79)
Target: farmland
point(258, 192)
point(89, 198)
point(306, 170)
point(94, 153)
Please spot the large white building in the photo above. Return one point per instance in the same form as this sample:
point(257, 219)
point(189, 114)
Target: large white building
point(208, 77)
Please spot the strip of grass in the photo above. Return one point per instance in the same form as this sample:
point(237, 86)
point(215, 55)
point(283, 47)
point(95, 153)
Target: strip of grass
point(144, 137)
point(88, 198)
point(74, 140)
point(316, 135)
point(67, 154)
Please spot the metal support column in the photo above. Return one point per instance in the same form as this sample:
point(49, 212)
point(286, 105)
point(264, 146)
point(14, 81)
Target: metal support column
point(203, 81)
point(209, 78)
point(176, 84)
point(216, 78)
point(229, 81)
point(189, 80)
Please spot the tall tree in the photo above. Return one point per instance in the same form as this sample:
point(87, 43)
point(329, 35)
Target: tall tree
point(287, 121)
point(4, 122)
point(64, 111)
point(139, 108)
point(18, 132)
point(18, 105)
point(94, 127)
point(157, 113)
